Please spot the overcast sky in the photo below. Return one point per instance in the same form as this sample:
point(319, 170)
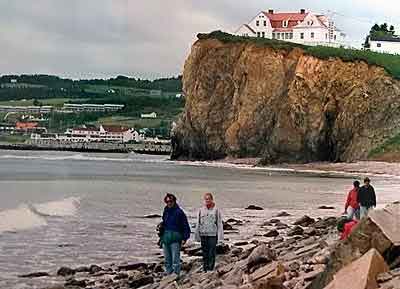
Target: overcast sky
point(144, 38)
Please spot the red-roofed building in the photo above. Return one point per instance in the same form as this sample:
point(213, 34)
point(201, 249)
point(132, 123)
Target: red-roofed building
point(104, 133)
point(300, 27)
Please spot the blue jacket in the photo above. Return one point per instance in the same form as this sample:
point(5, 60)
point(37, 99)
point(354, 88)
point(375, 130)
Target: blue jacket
point(174, 219)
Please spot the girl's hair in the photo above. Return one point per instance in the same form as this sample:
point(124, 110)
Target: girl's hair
point(209, 195)
point(356, 184)
point(341, 222)
point(169, 196)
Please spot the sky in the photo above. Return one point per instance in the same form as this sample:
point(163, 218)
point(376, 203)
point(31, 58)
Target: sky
point(145, 38)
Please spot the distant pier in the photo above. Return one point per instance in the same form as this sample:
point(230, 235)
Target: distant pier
point(153, 149)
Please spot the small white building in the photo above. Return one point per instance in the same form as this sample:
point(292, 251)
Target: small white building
point(386, 44)
point(301, 27)
point(149, 115)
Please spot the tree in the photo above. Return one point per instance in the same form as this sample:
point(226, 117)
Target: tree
point(379, 31)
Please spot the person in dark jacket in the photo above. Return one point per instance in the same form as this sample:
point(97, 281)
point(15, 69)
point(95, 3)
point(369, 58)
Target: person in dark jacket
point(366, 198)
point(176, 233)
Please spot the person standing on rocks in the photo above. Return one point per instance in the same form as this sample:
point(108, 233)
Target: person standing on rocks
point(352, 207)
point(209, 231)
point(366, 198)
point(176, 233)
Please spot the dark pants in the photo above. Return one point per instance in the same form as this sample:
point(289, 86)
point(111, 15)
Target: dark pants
point(209, 248)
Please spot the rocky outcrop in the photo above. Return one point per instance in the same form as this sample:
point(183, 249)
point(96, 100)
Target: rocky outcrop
point(244, 99)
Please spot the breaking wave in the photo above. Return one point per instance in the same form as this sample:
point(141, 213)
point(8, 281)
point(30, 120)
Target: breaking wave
point(29, 216)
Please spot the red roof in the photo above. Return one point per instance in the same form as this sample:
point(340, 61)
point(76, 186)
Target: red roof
point(115, 128)
point(277, 19)
point(26, 125)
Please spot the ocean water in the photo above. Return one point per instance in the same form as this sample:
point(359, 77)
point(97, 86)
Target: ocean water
point(68, 209)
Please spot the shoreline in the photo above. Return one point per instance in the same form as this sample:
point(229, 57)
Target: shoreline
point(281, 238)
point(90, 148)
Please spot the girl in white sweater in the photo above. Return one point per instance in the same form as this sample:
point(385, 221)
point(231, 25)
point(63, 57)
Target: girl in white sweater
point(209, 231)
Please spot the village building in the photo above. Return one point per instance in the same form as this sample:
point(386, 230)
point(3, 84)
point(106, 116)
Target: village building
point(29, 127)
point(104, 133)
point(73, 107)
point(302, 27)
point(45, 109)
point(385, 44)
point(149, 115)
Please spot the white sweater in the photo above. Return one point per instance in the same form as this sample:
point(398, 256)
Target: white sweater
point(209, 223)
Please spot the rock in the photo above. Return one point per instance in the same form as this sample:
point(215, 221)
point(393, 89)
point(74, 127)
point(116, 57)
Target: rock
point(282, 214)
point(297, 230)
point(82, 269)
point(222, 249)
point(304, 221)
point(261, 255)
point(140, 281)
point(74, 282)
point(120, 276)
point(93, 269)
point(281, 226)
point(227, 226)
point(254, 207)
point(379, 231)
point(152, 216)
point(326, 208)
point(325, 223)
point(241, 243)
point(384, 277)
point(133, 267)
point(65, 271)
point(310, 232)
point(271, 233)
point(362, 273)
point(193, 250)
point(35, 275)
point(269, 277)
point(234, 221)
point(319, 128)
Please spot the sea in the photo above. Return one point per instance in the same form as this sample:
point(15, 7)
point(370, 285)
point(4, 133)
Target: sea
point(70, 209)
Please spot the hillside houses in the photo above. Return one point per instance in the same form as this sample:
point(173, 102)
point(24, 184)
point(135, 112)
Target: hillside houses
point(300, 27)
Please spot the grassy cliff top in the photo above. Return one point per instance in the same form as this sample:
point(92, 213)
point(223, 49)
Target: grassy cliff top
point(390, 62)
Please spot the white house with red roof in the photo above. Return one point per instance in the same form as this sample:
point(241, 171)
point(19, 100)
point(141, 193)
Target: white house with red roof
point(300, 27)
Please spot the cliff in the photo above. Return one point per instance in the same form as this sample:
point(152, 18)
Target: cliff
point(283, 103)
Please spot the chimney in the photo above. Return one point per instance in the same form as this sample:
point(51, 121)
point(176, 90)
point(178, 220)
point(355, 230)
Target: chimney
point(270, 11)
point(303, 11)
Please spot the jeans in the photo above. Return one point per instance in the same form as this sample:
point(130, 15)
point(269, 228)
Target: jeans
point(172, 255)
point(351, 213)
point(364, 211)
point(209, 249)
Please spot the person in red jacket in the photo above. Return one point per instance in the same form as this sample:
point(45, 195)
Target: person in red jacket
point(352, 207)
point(345, 227)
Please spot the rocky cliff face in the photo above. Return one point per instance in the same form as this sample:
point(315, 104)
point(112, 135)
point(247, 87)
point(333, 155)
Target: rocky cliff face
point(247, 100)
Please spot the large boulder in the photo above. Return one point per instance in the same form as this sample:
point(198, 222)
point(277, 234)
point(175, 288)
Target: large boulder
point(304, 221)
point(379, 231)
point(261, 255)
point(362, 273)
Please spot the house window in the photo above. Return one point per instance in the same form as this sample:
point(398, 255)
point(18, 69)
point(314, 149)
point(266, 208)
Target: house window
point(326, 35)
point(257, 23)
point(258, 34)
point(285, 23)
point(286, 35)
point(279, 35)
point(312, 34)
point(263, 34)
point(265, 23)
point(301, 35)
point(291, 35)
point(334, 37)
point(378, 45)
point(273, 35)
point(283, 35)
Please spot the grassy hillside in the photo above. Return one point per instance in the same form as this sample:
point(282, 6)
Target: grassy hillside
point(391, 63)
